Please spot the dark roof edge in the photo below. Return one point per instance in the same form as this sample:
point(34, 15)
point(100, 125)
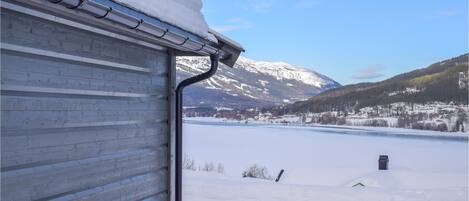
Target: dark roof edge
point(175, 37)
point(226, 40)
point(230, 48)
point(136, 20)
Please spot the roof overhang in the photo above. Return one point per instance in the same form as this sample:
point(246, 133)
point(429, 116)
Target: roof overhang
point(230, 48)
point(139, 22)
point(184, 42)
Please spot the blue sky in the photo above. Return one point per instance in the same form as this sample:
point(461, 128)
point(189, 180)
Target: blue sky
point(349, 41)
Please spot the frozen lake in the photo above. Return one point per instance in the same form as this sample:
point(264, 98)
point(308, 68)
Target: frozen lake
point(328, 157)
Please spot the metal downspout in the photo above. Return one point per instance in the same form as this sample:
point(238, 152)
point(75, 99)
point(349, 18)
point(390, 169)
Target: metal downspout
point(179, 114)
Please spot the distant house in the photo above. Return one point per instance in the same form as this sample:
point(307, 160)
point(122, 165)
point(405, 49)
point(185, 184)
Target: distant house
point(88, 96)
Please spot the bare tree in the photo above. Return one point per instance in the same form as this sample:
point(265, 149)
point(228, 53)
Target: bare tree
point(208, 167)
point(220, 168)
point(188, 163)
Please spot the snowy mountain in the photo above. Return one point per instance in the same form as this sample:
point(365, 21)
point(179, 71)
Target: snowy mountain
point(250, 83)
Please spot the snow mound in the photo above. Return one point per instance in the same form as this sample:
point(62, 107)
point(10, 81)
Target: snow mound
point(405, 179)
point(201, 186)
point(185, 14)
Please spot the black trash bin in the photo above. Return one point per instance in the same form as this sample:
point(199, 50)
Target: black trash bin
point(383, 162)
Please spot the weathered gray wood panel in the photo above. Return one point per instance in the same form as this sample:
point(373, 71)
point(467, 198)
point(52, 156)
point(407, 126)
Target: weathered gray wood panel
point(75, 130)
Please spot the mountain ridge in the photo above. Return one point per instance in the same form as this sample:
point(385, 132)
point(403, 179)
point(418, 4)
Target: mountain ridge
point(250, 83)
point(437, 82)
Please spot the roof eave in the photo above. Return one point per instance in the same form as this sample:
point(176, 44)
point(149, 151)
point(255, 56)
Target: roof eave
point(184, 42)
point(169, 35)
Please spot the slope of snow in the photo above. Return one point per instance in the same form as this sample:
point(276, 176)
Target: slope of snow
point(203, 186)
point(284, 71)
point(323, 164)
point(185, 14)
point(278, 70)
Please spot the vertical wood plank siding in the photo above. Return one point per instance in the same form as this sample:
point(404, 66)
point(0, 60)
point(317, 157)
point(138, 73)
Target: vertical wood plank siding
point(73, 125)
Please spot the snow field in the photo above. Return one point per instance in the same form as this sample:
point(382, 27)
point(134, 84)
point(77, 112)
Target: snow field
point(322, 164)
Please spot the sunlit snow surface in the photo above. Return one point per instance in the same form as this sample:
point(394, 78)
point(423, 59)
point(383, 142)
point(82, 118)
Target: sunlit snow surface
point(324, 163)
point(185, 14)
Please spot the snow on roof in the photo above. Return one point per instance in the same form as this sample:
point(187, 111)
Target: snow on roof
point(185, 14)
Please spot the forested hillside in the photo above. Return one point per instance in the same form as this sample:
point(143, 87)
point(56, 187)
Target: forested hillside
point(438, 82)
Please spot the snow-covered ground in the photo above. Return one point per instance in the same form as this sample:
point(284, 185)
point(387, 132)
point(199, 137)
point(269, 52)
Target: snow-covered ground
point(323, 163)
